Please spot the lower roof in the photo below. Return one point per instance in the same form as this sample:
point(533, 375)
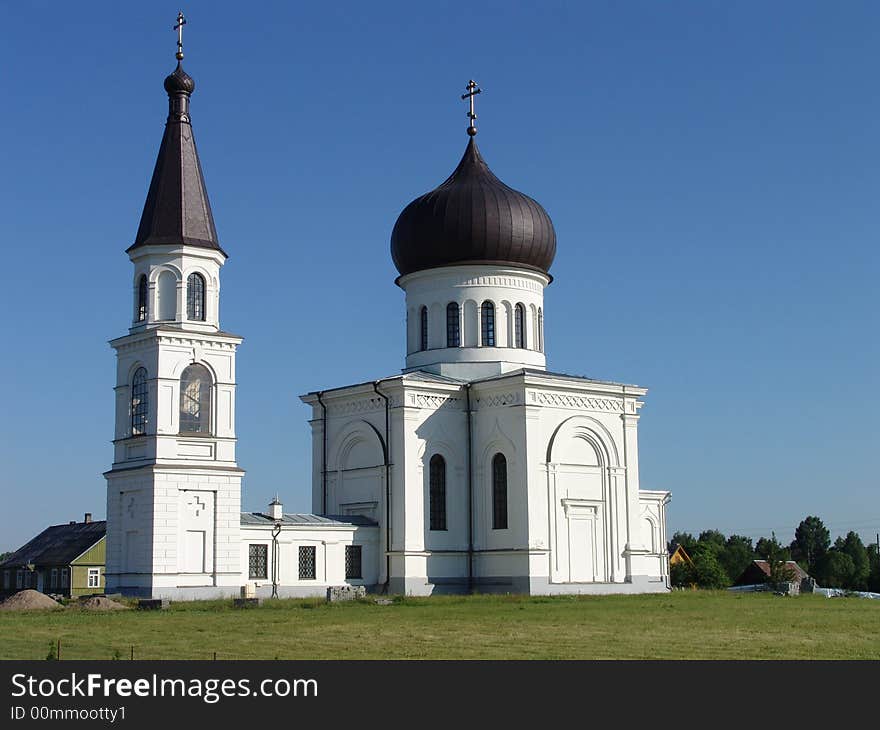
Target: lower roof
point(258, 519)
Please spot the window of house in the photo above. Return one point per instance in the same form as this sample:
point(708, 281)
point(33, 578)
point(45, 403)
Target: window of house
point(258, 558)
point(53, 581)
point(499, 492)
point(139, 402)
point(307, 562)
point(353, 561)
point(453, 325)
point(487, 324)
point(19, 579)
point(519, 326)
point(195, 297)
point(65, 577)
point(94, 578)
point(437, 489)
point(423, 328)
point(7, 580)
point(195, 400)
point(142, 299)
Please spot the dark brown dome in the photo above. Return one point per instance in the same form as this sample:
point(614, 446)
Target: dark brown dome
point(179, 82)
point(473, 218)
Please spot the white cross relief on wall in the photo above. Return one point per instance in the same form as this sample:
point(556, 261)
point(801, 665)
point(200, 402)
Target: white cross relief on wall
point(196, 505)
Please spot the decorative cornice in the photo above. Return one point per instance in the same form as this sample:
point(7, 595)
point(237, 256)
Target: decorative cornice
point(214, 340)
point(509, 282)
point(415, 399)
point(573, 401)
point(497, 400)
point(361, 405)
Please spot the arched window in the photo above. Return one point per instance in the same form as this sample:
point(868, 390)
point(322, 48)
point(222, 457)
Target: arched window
point(540, 329)
point(437, 483)
point(423, 329)
point(519, 326)
point(166, 294)
point(142, 299)
point(195, 400)
point(487, 324)
point(195, 297)
point(139, 402)
point(499, 492)
point(453, 326)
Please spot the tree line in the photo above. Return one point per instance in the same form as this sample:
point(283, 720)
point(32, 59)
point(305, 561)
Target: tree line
point(718, 560)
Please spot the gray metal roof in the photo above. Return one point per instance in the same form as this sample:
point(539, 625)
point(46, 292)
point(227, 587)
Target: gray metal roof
point(549, 374)
point(418, 375)
point(58, 544)
point(432, 377)
point(308, 520)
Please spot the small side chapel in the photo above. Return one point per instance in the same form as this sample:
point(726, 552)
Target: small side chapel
point(474, 469)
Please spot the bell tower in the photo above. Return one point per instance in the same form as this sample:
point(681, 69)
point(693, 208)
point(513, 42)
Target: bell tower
point(174, 489)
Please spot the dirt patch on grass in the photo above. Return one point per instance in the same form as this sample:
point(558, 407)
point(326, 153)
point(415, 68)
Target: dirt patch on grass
point(29, 600)
point(101, 603)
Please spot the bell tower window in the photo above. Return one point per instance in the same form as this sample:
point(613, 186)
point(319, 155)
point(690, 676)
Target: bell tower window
point(166, 291)
point(142, 299)
point(139, 402)
point(195, 298)
point(487, 324)
point(195, 400)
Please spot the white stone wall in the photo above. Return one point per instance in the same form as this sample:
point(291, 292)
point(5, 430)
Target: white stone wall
point(577, 521)
point(329, 542)
point(174, 499)
point(165, 353)
point(469, 287)
point(173, 529)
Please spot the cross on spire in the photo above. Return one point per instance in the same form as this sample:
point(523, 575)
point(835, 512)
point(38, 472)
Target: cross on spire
point(181, 21)
point(472, 92)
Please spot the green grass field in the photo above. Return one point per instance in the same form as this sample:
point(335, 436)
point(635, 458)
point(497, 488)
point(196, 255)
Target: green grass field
point(679, 625)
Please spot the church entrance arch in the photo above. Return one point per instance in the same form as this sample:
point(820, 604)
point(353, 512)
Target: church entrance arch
point(581, 528)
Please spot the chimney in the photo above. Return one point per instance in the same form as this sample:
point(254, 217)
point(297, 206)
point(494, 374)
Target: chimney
point(88, 517)
point(275, 510)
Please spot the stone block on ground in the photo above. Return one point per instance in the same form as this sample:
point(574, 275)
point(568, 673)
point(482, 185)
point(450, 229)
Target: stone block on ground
point(153, 604)
point(345, 593)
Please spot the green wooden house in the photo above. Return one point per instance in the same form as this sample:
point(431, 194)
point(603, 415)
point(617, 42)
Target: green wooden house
point(63, 560)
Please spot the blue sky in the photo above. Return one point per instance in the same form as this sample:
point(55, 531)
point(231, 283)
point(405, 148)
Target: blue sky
point(712, 170)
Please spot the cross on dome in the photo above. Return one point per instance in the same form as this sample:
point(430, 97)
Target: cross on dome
point(472, 91)
point(181, 21)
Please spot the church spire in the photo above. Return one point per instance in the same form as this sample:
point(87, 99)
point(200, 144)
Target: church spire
point(177, 210)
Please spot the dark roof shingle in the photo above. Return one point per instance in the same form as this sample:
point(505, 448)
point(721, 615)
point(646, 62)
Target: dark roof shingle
point(58, 544)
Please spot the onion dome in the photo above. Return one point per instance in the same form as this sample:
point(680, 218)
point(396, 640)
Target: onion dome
point(473, 218)
point(179, 82)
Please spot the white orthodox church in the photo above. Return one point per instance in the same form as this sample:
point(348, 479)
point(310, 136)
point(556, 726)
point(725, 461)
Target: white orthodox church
point(474, 469)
